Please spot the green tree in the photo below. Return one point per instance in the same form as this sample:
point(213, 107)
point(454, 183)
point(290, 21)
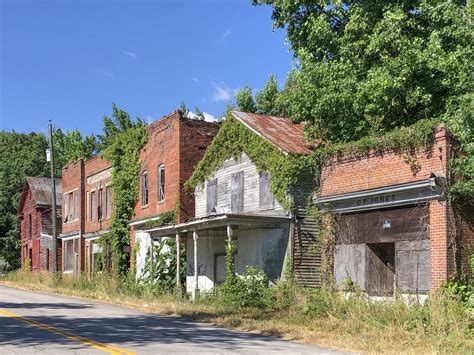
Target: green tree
point(21, 155)
point(71, 146)
point(118, 123)
point(244, 100)
point(367, 67)
point(266, 100)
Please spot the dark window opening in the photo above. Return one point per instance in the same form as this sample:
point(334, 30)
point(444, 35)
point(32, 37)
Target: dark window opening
point(161, 183)
point(380, 272)
point(145, 188)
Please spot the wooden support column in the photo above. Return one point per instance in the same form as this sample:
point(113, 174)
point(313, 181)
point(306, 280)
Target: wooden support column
point(178, 262)
point(195, 293)
point(230, 235)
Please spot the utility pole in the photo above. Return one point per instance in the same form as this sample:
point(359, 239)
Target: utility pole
point(53, 199)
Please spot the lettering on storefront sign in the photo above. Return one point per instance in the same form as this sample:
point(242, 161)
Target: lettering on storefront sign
point(376, 200)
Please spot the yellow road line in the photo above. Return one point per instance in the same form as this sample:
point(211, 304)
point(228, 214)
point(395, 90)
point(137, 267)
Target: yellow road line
point(108, 348)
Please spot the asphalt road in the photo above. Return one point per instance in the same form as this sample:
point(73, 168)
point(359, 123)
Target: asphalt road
point(32, 322)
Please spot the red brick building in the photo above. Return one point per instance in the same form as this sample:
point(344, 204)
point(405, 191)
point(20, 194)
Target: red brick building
point(73, 220)
point(34, 213)
point(395, 226)
point(175, 145)
point(87, 211)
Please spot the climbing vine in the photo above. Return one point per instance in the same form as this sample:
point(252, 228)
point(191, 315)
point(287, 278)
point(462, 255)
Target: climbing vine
point(166, 218)
point(233, 139)
point(123, 152)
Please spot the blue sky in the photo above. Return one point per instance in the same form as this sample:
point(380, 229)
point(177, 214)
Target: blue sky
point(69, 60)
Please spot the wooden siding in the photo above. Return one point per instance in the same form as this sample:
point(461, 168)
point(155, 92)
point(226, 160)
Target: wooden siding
point(251, 183)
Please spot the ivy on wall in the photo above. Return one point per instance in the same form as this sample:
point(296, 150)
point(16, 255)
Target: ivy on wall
point(233, 139)
point(123, 153)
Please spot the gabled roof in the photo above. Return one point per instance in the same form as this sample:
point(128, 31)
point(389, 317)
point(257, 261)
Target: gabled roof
point(40, 188)
point(286, 135)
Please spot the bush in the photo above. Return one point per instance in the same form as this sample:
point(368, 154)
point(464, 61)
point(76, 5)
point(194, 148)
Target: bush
point(248, 290)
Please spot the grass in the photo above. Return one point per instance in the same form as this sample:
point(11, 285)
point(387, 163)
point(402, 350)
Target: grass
point(316, 317)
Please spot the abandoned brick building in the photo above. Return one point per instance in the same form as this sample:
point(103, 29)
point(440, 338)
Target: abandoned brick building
point(395, 227)
point(174, 147)
point(34, 213)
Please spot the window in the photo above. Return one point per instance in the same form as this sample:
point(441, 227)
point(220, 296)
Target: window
point(66, 207)
point(47, 259)
point(93, 207)
point(88, 204)
point(237, 192)
point(30, 226)
point(99, 204)
point(161, 183)
point(145, 188)
point(266, 198)
point(211, 196)
point(108, 202)
point(76, 204)
point(71, 207)
point(68, 255)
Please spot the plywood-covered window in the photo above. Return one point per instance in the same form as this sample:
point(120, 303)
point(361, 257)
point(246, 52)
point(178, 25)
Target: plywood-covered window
point(68, 255)
point(145, 188)
point(237, 192)
point(161, 182)
point(266, 198)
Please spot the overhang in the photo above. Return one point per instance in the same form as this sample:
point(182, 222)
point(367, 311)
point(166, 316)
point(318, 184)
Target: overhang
point(411, 193)
point(220, 221)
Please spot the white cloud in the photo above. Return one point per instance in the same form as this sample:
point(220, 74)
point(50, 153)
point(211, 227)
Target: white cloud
point(207, 116)
point(226, 34)
point(130, 54)
point(222, 92)
point(195, 80)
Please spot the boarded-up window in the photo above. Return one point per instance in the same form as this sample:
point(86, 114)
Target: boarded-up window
point(211, 195)
point(68, 255)
point(108, 203)
point(266, 198)
point(413, 265)
point(30, 226)
point(93, 207)
point(237, 192)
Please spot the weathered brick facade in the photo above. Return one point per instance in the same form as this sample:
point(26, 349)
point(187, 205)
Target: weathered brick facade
point(176, 144)
point(448, 245)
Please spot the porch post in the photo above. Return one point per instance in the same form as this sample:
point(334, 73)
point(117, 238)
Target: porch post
point(195, 293)
point(230, 235)
point(178, 261)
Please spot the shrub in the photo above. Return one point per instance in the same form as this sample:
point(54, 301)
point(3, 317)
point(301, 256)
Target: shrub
point(248, 290)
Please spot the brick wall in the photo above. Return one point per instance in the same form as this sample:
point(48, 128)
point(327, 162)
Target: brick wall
point(30, 241)
point(348, 174)
point(97, 178)
point(72, 179)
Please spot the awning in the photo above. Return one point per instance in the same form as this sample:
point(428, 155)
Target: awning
point(388, 196)
point(220, 221)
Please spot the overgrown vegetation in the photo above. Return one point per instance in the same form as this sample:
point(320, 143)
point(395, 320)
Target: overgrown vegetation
point(123, 140)
point(233, 139)
point(159, 274)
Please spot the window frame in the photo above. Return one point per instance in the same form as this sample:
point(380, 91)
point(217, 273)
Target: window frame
point(108, 201)
point(144, 189)
point(100, 203)
point(93, 206)
point(161, 181)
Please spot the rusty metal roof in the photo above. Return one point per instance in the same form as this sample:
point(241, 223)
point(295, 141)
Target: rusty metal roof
point(283, 133)
point(41, 190)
